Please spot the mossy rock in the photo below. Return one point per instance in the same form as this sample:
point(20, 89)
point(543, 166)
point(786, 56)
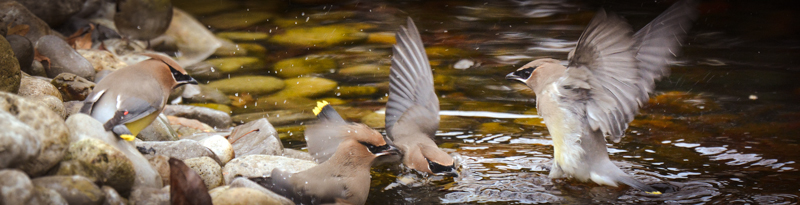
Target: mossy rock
point(320, 36)
point(300, 66)
point(243, 36)
point(306, 87)
point(236, 64)
point(263, 104)
point(367, 70)
point(254, 85)
point(220, 107)
point(355, 91)
point(236, 20)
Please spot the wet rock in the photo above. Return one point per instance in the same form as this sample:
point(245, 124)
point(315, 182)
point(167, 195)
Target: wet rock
point(75, 189)
point(485, 106)
point(263, 104)
point(159, 130)
point(374, 120)
point(223, 67)
point(441, 52)
point(498, 128)
point(16, 187)
point(228, 48)
point(84, 126)
point(181, 149)
point(161, 165)
point(14, 14)
point(352, 113)
point(43, 195)
point(187, 32)
point(246, 183)
point(320, 36)
point(33, 86)
point(387, 38)
point(243, 36)
point(219, 145)
point(302, 66)
point(277, 118)
point(51, 103)
point(214, 106)
point(208, 169)
point(235, 20)
point(681, 103)
point(149, 196)
point(53, 12)
point(254, 85)
point(52, 134)
point(72, 87)
point(99, 162)
point(23, 51)
point(261, 166)
point(102, 60)
point(113, 197)
point(255, 137)
point(10, 74)
point(187, 127)
point(306, 87)
point(535, 122)
point(214, 118)
point(355, 91)
point(18, 141)
point(366, 71)
point(205, 94)
point(241, 195)
point(297, 154)
point(205, 7)
point(63, 58)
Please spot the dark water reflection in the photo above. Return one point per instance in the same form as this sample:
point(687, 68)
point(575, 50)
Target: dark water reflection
point(723, 128)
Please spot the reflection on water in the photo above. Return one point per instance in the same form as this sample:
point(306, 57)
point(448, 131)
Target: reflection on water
point(723, 128)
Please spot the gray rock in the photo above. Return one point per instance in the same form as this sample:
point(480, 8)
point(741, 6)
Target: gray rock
point(44, 195)
point(84, 126)
point(16, 187)
point(214, 118)
point(256, 137)
point(23, 51)
point(17, 140)
point(49, 128)
point(254, 85)
point(261, 166)
point(51, 102)
point(72, 107)
point(75, 189)
point(277, 118)
point(113, 197)
point(297, 154)
point(10, 74)
point(14, 13)
point(54, 12)
point(246, 183)
point(149, 196)
point(181, 149)
point(159, 130)
point(204, 94)
point(72, 87)
point(37, 69)
point(243, 195)
point(100, 162)
point(208, 169)
point(63, 58)
point(220, 146)
point(32, 86)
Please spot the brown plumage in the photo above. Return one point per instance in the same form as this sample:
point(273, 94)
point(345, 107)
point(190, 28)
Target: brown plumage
point(185, 186)
point(610, 73)
point(130, 98)
point(412, 112)
point(345, 152)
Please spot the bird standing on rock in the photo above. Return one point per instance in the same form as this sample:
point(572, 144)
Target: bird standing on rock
point(143, 19)
point(129, 99)
point(412, 112)
point(610, 73)
point(345, 152)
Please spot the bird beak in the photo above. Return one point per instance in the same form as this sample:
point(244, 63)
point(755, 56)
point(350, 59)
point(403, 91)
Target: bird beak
point(190, 80)
point(452, 173)
point(392, 150)
point(511, 76)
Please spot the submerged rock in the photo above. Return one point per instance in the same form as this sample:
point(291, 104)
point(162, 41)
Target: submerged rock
point(374, 120)
point(254, 85)
point(255, 137)
point(204, 94)
point(302, 66)
point(320, 36)
point(235, 20)
point(262, 165)
point(222, 67)
point(355, 91)
point(63, 58)
point(277, 118)
point(10, 73)
point(72, 87)
point(243, 36)
point(48, 127)
point(365, 71)
point(75, 189)
point(208, 169)
point(306, 87)
point(263, 104)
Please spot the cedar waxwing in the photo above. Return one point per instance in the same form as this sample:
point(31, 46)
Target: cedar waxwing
point(345, 152)
point(142, 19)
point(412, 112)
point(610, 73)
point(129, 99)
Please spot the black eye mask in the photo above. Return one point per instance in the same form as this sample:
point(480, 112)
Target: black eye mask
point(375, 149)
point(438, 168)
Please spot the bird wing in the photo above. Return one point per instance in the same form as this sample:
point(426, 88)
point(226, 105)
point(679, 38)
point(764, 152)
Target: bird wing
point(117, 109)
point(411, 83)
point(612, 71)
point(325, 136)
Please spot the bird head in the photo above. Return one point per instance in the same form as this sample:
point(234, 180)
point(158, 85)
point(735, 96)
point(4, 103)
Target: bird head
point(179, 75)
point(431, 160)
point(373, 141)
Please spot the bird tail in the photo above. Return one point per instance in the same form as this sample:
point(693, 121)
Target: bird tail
point(325, 112)
point(637, 184)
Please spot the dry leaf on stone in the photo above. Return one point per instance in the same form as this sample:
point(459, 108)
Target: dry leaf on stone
point(19, 29)
point(81, 39)
point(41, 58)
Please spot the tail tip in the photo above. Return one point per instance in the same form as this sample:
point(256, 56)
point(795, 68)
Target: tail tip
point(320, 104)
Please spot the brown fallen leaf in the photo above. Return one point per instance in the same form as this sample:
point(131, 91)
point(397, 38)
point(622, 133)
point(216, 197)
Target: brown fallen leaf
point(19, 29)
point(185, 186)
point(41, 58)
point(241, 100)
point(81, 39)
